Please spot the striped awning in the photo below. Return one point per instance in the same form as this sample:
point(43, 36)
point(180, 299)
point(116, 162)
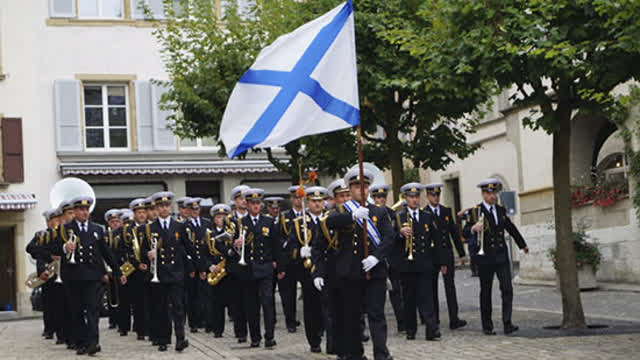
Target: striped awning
point(17, 201)
point(167, 168)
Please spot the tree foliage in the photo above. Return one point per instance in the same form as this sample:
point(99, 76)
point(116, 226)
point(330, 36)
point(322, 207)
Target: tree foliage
point(560, 57)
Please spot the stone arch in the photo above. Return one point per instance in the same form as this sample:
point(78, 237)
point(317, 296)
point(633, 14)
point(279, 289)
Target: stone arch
point(589, 132)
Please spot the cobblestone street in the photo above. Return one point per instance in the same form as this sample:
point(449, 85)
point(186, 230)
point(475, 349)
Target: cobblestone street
point(534, 308)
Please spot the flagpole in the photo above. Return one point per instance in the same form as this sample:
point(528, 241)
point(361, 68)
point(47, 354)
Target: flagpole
point(363, 200)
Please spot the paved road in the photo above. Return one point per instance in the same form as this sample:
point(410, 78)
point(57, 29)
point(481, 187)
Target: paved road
point(535, 307)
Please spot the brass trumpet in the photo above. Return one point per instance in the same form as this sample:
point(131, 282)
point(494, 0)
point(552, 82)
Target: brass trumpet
point(408, 243)
point(481, 235)
point(74, 238)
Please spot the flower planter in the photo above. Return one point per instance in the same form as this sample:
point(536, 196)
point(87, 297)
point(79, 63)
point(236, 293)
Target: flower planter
point(586, 278)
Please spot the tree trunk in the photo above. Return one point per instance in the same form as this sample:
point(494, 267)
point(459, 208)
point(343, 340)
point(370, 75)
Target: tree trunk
point(573, 315)
point(395, 161)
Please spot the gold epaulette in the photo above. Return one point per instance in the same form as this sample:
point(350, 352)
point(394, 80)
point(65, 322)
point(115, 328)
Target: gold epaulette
point(63, 233)
point(283, 223)
point(332, 240)
point(296, 224)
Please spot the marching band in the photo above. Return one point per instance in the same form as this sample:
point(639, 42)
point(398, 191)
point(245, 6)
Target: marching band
point(166, 272)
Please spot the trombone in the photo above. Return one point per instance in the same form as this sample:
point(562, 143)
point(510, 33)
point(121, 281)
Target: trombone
point(481, 235)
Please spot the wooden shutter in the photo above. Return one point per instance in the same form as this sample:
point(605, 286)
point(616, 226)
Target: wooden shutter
point(68, 115)
point(163, 137)
point(144, 115)
point(12, 155)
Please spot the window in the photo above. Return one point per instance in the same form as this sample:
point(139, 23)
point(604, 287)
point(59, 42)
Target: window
point(106, 117)
point(100, 9)
point(200, 143)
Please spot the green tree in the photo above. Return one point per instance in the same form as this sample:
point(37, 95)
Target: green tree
point(562, 57)
point(405, 113)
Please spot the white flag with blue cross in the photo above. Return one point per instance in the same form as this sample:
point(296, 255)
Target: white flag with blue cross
point(304, 83)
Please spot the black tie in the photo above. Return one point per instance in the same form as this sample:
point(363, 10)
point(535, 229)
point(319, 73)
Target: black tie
point(437, 212)
point(255, 221)
point(414, 214)
point(165, 225)
point(84, 227)
point(493, 214)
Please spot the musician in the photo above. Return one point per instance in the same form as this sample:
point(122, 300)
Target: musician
point(112, 218)
point(417, 243)
point(90, 252)
point(304, 234)
point(184, 212)
point(217, 295)
point(238, 275)
point(122, 249)
point(288, 284)
point(261, 253)
point(379, 194)
point(495, 260)
point(152, 212)
point(273, 209)
point(197, 227)
point(67, 211)
point(168, 293)
point(66, 215)
point(36, 248)
point(445, 232)
point(137, 283)
point(57, 296)
point(354, 290)
point(152, 215)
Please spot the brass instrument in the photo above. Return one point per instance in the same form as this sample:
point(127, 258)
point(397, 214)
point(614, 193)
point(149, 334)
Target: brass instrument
point(58, 269)
point(73, 238)
point(33, 280)
point(481, 235)
point(242, 262)
point(112, 294)
point(127, 268)
point(408, 243)
point(154, 262)
point(135, 244)
point(214, 278)
point(401, 202)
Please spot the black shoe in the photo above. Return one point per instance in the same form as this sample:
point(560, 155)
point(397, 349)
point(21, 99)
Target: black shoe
point(194, 330)
point(457, 324)
point(71, 346)
point(488, 332)
point(208, 331)
point(155, 343)
point(162, 347)
point(255, 344)
point(242, 340)
point(509, 328)
point(81, 350)
point(48, 336)
point(59, 342)
point(98, 348)
point(432, 335)
point(364, 337)
point(182, 344)
point(437, 334)
point(140, 337)
point(298, 323)
point(411, 336)
point(123, 333)
point(291, 330)
point(217, 336)
point(316, 349)
point(269, 343)
point(92, 349)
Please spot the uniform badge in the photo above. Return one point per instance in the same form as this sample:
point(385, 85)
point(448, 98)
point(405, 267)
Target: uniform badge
point(446, 218)
point(177, 236)
point(426, 227)
point(374, 219)
point(265, 231)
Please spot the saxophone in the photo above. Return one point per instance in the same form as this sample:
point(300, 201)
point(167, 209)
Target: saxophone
point(214, 278)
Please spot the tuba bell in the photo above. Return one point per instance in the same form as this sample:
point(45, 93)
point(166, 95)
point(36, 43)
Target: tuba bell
point(401, 203)
point(69, 188)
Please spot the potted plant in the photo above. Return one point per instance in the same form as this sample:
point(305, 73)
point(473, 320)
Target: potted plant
point(588, 257)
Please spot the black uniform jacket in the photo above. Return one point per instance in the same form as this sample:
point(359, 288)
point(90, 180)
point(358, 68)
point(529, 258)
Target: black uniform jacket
point(445, 231)
point(494, 245)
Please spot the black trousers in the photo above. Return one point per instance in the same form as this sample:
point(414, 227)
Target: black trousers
point(196, 301)
point(346, 306)
point(84, 311)
point(503, 272)
point(327, 319)
point(375, 295)
point(288, 294)
point(58, 309)
point(238, 287)
point(217, 299)
point(47, 310)
point(418, 295)
point(168, 306)
point(450, 293)
point(124, 309)
point(312, 308)
point(257, 296)
point(395, 295)
point(138, 290)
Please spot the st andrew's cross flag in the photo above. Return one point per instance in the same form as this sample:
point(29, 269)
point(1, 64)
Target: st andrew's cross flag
point(304, 83)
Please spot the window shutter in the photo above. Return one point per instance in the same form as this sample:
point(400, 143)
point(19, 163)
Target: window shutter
point(62, 8)
point(163, 138)
point(12, 155)
point(68, 115)
point(144, 115)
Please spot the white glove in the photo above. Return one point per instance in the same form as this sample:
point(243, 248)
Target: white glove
point(361, 213)
point(369, 263)
point(305, 251)
point(318, 283)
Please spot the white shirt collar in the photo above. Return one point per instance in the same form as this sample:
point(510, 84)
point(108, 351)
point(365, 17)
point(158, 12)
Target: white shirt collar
point(166, 220)
point(255, 218)
point(240, 215)
point(487, 206)
point(81, 224)
point(434, 208)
